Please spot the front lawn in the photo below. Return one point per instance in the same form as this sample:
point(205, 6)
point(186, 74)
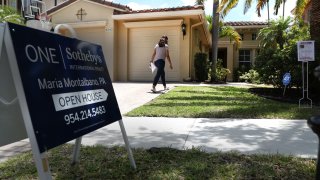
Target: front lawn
point(220, 102)
point(160, 163)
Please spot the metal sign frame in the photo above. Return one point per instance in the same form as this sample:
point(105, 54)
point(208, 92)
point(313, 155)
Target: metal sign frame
point(305, 54)
point(305, 85)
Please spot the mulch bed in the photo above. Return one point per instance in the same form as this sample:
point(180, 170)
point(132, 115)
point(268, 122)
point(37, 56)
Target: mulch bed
point(292, 95)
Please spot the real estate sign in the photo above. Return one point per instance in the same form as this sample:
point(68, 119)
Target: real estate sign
point(305, 51)
point(65, 84)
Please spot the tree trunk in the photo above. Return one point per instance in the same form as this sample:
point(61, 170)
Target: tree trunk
point(268, 12)
point(284, 4)
point(314, 27)
point(215, 37)
point(315, 35)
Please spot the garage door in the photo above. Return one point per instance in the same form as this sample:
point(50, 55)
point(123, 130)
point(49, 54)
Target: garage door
point(141, 45)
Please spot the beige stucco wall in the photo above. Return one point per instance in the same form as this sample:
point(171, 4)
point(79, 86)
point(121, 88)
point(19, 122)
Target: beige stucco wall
point(96, 27)
point(185, 52)
point(198, 43)
point(94, 13)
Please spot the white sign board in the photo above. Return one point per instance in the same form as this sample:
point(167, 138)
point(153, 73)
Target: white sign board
point(305, 51)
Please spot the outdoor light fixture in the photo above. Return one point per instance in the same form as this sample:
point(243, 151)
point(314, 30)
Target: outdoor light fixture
point(184, 29)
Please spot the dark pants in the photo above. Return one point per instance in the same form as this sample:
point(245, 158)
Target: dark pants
point(160, 72)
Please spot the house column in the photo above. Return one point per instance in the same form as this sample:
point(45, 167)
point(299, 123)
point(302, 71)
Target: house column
point(253, 56)
point(230, 62)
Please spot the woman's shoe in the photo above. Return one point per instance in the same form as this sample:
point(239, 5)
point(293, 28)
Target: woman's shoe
point(153, 89)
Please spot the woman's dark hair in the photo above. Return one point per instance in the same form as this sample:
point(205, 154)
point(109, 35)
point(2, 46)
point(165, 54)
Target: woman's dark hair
point(165, 38)
point(162, 42)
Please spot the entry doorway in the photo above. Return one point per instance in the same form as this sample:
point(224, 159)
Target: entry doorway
point(223, 54)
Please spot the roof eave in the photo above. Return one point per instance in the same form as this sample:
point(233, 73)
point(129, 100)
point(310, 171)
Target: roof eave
point(250, 26)
point(156, 14)
point(93, 2)
point(59, 9)
point(88, 1)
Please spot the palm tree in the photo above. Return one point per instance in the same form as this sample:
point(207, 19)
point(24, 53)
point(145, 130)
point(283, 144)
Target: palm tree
point(275, 34)
point(314, 26)
point(215, 35)
point(301, 5)
point(227, 5)
point(200, 2)
point(8, 14)
point(225, 31)
point(277, 6)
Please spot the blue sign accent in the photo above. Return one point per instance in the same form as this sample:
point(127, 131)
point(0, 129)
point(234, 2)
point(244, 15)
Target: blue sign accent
point(286, 79)
point(66, 83)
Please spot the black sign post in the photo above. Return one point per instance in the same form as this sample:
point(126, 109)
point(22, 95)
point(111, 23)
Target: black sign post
point(63, 87)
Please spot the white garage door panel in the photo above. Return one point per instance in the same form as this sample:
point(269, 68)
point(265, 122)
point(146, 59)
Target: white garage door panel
point(141, 45)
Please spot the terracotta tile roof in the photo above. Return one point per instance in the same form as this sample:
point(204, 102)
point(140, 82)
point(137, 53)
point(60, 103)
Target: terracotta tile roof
point(103, 2)
point(181, 8)
point(245, 23)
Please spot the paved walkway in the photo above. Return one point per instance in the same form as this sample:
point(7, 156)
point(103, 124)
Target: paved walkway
point(290, 137)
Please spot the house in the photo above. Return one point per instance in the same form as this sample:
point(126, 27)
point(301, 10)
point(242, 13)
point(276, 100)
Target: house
point(18, 4)
point(242, 56)
point(128, 37)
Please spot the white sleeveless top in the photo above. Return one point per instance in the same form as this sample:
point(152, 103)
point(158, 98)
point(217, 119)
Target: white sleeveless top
point(161, 52)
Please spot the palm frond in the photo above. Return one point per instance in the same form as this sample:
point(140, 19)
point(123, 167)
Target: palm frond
point(300, 7)
point(277, 6)
point(260, 5)
point(226, 6)
point(247, 6)
point(231, 33)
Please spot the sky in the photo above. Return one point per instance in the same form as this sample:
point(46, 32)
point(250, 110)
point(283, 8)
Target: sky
point(235, 14)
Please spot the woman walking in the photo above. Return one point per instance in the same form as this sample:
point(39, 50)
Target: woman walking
point(160, 54)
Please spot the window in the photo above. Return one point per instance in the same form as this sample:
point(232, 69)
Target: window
point(244, 59)
point(12, 3)
point(242, 36)
point(254, 36)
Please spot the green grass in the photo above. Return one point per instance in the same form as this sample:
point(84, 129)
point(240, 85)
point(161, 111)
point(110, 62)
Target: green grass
point(220, 102)
point(160, 163)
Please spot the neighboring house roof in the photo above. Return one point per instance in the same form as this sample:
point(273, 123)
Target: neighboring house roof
point(182, 8)
point(102, 2)
point(245, 23)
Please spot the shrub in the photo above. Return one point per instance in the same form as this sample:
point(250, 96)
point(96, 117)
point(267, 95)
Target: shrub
point(9, 14)
point(277, 58)
point(238, 72)
point(221, 72)
point(201, 66)
point(252, 76)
